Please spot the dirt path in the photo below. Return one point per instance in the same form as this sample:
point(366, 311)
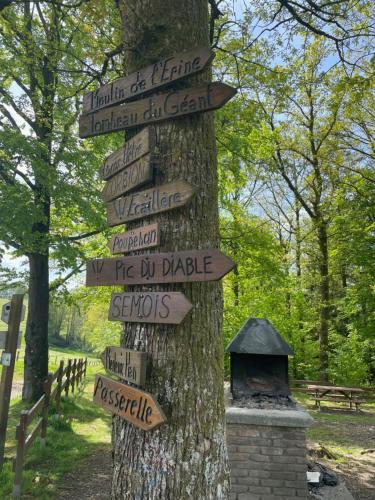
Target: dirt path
point(91, 481)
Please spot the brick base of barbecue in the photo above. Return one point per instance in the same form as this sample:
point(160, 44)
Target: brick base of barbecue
point(267, 453)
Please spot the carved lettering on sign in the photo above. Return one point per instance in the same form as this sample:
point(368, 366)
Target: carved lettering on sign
point(148, 79)
point(152, 201)
point(137, 239)
point(126, 364)
point(149, 307)
point(132, 150)
point(155, 109)
point(135, 175)
point(176, 267)
point(138, 407)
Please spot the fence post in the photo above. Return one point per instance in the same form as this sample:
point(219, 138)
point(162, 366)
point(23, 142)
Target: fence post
point(47, 394)
point(74, 370)
point(59, 388)
point(67, 382)
point(85, 370)
point(20, 454)
point(78, 372)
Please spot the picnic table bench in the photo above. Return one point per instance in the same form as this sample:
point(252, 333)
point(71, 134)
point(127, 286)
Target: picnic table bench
point(337, 394)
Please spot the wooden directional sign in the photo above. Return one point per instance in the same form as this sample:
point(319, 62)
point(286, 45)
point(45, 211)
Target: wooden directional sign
point(149, 307)
point(155, 109)
point(137, 239)
point(126, 364)
point(3, 339)
point(138, 407)
point(152, 201)
point(135, 175)
point(174, 267)
point(148, 79)
point(133, 149)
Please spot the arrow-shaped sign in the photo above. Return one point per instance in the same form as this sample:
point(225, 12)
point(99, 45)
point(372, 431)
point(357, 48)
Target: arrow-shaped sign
point(126, 364)
point(132, 150)
point(155, 109)
point(149, 202)
point(175, 267)
point(149, 307)
point(136, 239)
point(138, 407)
point(148, 79)
point(135, 175)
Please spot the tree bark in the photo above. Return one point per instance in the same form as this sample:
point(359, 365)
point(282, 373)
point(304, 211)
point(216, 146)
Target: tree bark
point(36, 354)
point(324, 299)
point(185, 458)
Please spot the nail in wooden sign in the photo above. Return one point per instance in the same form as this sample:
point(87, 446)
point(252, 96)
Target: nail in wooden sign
point(155, 109)
point(149, 307)
point(3, 339)
point(132, 150)
point(148, 79)
point(149, 202)
point(135, 175)
point(126, 364)
point(137, 239)
point(175, 267)
point(138, 407)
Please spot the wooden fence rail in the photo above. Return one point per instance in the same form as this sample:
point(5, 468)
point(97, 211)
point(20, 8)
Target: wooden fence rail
point(61, 380)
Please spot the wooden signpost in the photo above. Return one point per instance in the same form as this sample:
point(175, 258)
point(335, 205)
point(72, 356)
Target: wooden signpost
point(15, 316)
point(174, 267)
point(149, 202)
point(138, 407)
point(135, 175)
point(149, 307)
point(3, 339)
point(137, 239)
point(126, 364)
point(155, 109)
point(133, 149)
point(148, 79)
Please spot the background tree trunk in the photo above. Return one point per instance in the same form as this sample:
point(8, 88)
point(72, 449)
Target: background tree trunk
point(186, 457)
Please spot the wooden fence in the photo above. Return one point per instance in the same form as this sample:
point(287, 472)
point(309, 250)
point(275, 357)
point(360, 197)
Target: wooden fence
point(64, 379)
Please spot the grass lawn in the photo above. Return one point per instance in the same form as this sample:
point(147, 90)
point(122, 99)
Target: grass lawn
point(83, 429)
point(342, 432)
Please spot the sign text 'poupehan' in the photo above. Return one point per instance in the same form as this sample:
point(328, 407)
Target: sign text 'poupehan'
point(126, 364)
point(135, 175)
point(155, 109)
point(148, 79)
point(149, 307)
point(173, 267)
point(149, 202)
point(132, 150)
point(136, 239)
point(129, 403)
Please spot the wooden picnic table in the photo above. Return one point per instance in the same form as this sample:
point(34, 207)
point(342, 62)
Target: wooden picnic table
point(336, 394)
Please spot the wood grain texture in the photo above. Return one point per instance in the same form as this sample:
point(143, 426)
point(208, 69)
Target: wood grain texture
point(148, 79)
point(173, 104)
point(133, 405)
point(127, 364)
point(137, 239)
point(149, 202)
point(172, 267)
point(134, 176)
point(149, 307)
point(132, 150)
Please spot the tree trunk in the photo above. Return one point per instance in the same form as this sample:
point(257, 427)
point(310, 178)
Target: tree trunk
point(185, 458)
point(324, 300)
point(36, 354)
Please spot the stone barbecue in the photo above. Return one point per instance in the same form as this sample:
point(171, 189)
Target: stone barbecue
point(265, 427)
